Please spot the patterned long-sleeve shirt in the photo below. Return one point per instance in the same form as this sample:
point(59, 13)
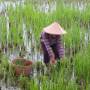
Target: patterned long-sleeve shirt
point(48, 41)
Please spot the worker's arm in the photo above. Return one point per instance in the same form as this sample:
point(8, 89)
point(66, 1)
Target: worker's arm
point(60, 47)
point(47, 45)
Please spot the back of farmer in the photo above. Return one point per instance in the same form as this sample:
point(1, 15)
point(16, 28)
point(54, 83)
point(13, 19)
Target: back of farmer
point(51, 43)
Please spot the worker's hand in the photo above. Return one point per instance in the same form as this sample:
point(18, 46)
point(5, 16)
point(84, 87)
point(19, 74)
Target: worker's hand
point(52, 60)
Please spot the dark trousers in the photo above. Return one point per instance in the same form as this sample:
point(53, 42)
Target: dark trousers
point(46, 55)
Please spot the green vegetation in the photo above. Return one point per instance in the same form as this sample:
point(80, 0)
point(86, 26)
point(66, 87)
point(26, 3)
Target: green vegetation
point(71, 74)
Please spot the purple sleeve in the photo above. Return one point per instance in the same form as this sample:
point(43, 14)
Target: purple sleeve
point(47, 45)
point(60, 47)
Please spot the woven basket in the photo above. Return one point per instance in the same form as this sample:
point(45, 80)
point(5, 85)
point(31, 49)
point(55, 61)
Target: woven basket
point(23, 67)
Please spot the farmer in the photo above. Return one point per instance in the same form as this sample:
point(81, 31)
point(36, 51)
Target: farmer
point(51, 43)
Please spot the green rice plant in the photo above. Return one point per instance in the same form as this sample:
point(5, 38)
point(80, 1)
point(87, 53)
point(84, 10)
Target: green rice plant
point(82, 67)
point(70, 19)
point(85, 16)
point(53, 84)
point(1, 68)
point(4, 69)
point(74, 39)
point(1, 27)
point(15, 20)
point(88, 86)
point(5, 63)
point(67, 15)
point(68, 38)
point(23, 82)
point(12, 79)
point(3, 31)
point(58, 77)
point(35, 19)
point(72, 86)
point(27, 13)
point(60, 81)
point(33, 85)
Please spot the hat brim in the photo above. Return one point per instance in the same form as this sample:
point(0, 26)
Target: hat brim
point(54, 29)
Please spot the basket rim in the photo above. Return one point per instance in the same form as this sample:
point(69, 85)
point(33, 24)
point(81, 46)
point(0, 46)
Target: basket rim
point(23, 60)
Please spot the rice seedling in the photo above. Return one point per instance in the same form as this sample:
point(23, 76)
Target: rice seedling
point(75, 22)
point(23, 83)
point(72, 86)
point(3, 31)
point(87, 86)
point(82, 67)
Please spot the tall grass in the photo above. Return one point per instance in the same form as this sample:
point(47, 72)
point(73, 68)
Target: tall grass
point(75, 22)
point(65, 16)
point(3, 34)
point(82, 67)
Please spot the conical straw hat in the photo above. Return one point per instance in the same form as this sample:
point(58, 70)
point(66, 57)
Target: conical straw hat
point(54, 29)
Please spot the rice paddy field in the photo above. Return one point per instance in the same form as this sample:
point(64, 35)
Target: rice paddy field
point(21, 23)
